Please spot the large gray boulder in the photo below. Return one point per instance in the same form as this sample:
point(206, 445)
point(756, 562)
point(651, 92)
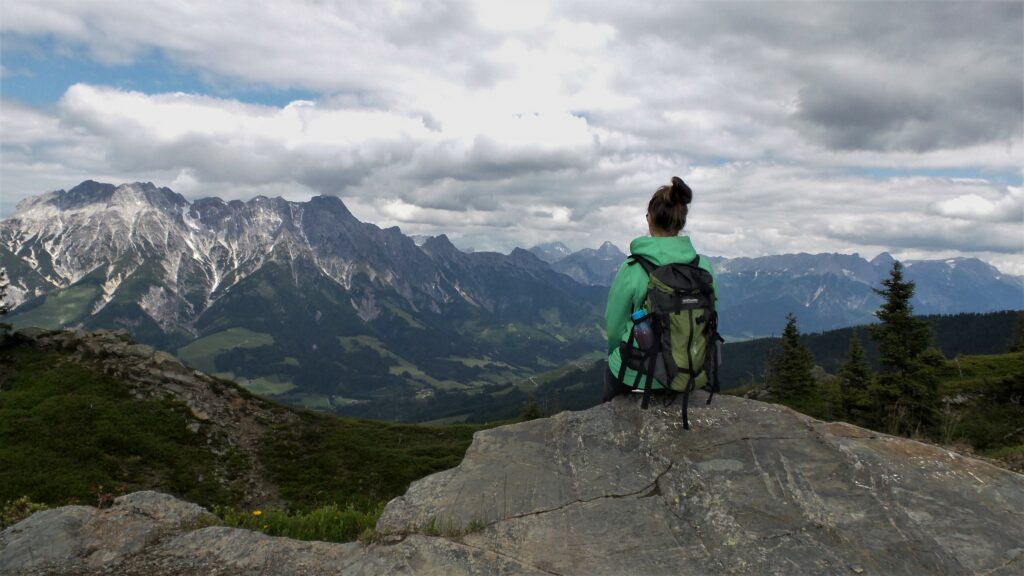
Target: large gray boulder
point(753, 488)
point(82, 537)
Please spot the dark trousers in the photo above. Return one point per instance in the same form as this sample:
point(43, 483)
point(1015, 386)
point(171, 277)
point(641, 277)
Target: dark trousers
point(612, 387)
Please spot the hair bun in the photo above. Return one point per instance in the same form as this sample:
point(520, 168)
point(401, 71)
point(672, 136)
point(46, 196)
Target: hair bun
point(680, 191)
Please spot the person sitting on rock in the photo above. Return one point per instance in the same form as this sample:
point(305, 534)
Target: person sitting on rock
point(666, 217)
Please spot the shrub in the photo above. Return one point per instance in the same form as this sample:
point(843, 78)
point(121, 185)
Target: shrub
point(15, 511)
point(330, 523)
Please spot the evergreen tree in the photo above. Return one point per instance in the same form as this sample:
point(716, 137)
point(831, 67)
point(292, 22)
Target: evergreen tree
point(4, 307)
point(906, 392)
point(531, 410)
point(1017, 341)
point(791, 381)
point(900, 337)
point(854, 382)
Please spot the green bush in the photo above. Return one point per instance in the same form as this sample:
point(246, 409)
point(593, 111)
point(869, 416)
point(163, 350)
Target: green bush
point(330, 523)
point(15, 511)
point(329, 459)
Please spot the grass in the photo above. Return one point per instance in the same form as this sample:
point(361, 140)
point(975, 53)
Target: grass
point(267, 385)
point(315, 401)
point(330, 523)
point(359, 462)
point(412, 322)
point(1006, 452)
point(203, 352)
point(971, 373)
point(559, 371)
point(343, 401)
point(59, 308)
point(338, 474)
point(70, 433)
point(450, 528)
point(478, 362)
point(401, 366)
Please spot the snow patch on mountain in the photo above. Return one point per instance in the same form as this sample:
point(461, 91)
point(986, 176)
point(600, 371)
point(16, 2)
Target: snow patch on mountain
point(110, 287)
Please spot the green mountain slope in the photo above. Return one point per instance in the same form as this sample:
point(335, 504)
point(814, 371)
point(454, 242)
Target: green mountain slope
point(83, 415)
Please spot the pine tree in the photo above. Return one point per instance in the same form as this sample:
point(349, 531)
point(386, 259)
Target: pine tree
point(1017, 341)
point(854, 382)
point(906, 392)
point(4, 307)
point(531, 410)
point(791, 380)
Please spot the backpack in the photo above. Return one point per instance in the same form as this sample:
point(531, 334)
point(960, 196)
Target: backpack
point(686, 349)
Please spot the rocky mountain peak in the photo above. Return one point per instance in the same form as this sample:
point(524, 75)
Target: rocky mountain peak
point(610, 250)
point(147, 194)
point(551, 251)
point(88, 192)
point(439, 246)
point(883, 260)
point(590, 266)
point(332, 204)
point(753, 488)
point(527, 259)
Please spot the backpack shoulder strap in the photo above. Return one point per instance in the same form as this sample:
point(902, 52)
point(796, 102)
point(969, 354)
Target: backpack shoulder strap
point(649, 266)
point(646, 264)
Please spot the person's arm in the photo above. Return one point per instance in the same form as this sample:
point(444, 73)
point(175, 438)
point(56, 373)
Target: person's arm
point(620, 306)
point(714, 283)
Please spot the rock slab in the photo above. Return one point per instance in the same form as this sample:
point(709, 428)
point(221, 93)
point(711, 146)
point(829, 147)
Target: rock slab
point(753, 488)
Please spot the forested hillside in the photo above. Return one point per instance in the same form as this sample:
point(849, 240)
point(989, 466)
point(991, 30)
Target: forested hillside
point(959, 334)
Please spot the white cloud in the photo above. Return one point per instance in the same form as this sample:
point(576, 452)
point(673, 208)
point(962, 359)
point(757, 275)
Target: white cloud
point(505, 123)
point(1006, 206)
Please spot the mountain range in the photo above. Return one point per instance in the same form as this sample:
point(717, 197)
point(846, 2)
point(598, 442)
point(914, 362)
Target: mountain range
point(825, 291)
point(299, 300)
point(586, 266)
point(303, 302)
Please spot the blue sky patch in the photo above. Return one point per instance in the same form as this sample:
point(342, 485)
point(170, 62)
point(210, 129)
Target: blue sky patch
point(37, 72)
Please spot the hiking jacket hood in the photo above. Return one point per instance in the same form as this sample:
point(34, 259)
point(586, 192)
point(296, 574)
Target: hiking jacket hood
point(629, 289)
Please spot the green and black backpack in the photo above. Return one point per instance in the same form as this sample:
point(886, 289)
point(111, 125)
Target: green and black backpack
point(686, 348)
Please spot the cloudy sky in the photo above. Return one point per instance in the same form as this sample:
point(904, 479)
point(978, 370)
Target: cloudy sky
point(840, 126)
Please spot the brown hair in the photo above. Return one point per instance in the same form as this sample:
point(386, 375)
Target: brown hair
point(669, 206)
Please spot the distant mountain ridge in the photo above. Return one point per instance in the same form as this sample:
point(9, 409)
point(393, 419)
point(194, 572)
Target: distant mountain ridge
point(586, 266)
point(826, 291)
point(296, 297)
point(551, 252)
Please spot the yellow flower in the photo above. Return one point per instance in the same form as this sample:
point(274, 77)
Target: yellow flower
point(257, 513)
point(265, 526)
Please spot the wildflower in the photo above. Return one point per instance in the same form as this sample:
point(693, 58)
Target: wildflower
point(257, 513)
point(265, 526)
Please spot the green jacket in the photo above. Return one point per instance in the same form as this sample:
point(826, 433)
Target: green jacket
point(629, 289)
